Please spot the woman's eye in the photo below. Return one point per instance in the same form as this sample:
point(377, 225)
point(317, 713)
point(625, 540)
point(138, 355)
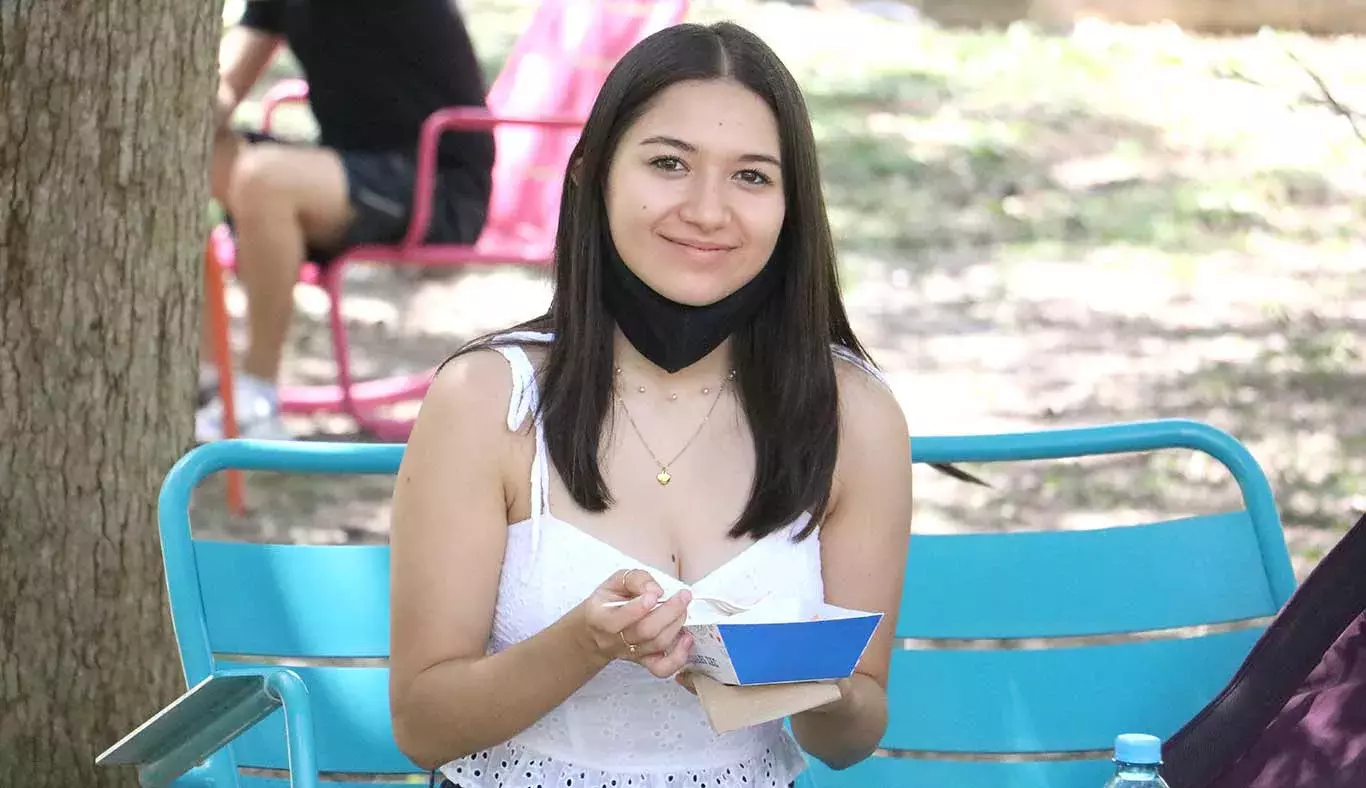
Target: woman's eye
point(754, 177)
point(667, 163)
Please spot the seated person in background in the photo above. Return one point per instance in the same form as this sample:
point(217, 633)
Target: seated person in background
point(376, 71)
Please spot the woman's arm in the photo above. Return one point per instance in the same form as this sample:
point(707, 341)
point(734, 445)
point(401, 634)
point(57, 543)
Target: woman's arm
point(447, 697)
point(864, 540)
point(448, 536)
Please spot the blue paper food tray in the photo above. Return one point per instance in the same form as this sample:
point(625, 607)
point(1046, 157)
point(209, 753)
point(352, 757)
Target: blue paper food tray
point(776, 653)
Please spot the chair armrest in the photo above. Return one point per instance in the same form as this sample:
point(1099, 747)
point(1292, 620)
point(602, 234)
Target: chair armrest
point(456, 119)
point(209, 716)
point(283, 92)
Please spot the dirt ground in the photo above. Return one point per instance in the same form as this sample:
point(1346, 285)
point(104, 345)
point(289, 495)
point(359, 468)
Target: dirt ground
point(1013, 262)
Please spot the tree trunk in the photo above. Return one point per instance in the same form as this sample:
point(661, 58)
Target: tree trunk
point(104, 140)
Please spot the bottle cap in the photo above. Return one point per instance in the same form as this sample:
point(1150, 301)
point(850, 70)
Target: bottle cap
point(1139, 748)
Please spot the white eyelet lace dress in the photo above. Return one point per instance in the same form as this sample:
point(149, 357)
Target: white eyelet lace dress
point(624, 728)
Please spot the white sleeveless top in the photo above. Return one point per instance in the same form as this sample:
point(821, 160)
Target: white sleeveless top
point(625, 728)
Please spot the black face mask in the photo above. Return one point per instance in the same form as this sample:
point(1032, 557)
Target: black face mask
point(673, 335)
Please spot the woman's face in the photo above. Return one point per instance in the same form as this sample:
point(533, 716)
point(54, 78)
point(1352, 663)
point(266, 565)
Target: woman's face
point(694, 191)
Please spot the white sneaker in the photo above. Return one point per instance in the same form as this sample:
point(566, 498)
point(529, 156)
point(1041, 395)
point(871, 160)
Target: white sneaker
point(257, 409)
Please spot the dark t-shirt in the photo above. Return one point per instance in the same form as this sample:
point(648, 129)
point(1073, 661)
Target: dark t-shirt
point(377, 68)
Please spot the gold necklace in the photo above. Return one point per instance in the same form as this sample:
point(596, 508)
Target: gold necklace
point(664, 477)
point(673, 396)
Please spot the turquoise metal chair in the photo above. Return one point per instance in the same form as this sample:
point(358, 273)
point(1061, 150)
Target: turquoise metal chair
point(979, 717)
point(284, 646)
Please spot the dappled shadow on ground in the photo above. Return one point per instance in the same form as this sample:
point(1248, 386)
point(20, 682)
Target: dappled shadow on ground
point(1291, 388)
point(402, 320)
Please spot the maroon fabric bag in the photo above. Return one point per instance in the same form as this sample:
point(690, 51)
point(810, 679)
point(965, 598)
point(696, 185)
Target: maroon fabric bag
point(1294, 715)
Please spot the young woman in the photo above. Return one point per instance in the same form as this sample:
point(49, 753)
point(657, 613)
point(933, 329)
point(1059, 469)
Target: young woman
point(693, 416)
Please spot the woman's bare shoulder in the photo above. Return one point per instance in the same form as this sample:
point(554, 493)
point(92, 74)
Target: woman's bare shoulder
point(463, 423)
point(866, 399)
point(478, 379)
point(873, 427)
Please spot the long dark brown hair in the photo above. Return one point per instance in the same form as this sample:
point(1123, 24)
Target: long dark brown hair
point(785, 375)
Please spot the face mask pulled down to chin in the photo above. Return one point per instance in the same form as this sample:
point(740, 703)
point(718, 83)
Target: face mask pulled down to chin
point(671, 335)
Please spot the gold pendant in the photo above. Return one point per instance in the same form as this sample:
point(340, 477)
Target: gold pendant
point(663, 478)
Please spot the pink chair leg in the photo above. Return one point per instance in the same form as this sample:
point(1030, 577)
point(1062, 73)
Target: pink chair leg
point(332, 283)
point(381, 429)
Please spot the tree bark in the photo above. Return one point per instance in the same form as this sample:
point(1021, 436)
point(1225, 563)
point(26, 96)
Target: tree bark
point(104, 140)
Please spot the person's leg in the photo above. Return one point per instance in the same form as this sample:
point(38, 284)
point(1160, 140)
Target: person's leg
point(282, 204)
point(282, 199)
point(226, 144)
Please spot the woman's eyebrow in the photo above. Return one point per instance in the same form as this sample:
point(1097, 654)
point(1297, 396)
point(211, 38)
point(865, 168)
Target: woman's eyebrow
point(687, 147)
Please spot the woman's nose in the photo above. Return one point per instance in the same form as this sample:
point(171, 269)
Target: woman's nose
point(705, 205)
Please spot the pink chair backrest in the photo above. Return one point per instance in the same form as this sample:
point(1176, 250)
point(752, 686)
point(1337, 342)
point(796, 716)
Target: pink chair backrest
point(556, 69)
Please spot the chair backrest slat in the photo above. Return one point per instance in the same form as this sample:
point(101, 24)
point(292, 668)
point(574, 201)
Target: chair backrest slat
point(295, 600)
point(1179, 573)
point(1043, 700)
point(257, 780)
point(883, 772)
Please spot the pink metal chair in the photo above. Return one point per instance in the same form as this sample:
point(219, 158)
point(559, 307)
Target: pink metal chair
point(536, 107)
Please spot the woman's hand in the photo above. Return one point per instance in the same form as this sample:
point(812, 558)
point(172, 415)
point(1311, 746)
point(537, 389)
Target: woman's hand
point(642, 630)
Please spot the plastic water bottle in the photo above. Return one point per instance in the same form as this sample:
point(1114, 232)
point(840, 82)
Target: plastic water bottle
point(1137, 756)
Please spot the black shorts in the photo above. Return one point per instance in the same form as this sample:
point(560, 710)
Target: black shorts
point(380, 189)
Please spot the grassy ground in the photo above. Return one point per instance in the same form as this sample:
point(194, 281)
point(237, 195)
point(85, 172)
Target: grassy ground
point(1036, 230)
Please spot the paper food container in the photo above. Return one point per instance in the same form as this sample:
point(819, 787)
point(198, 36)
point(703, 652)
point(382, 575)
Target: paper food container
point(780, 643)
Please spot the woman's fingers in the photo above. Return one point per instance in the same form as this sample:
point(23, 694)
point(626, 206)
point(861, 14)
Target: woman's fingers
point(671, 661)
point(626, 598)
point(657, 631)
point(622, 600)
point(651, 633)
point(618, 619)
